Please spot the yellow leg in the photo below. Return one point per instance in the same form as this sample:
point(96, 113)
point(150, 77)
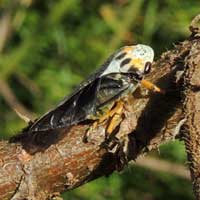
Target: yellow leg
point(151, 86)
point(116, 109)
point(115, 113)
point(116, 117)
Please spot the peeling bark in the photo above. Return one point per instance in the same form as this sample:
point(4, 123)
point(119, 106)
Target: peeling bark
point(148, 123)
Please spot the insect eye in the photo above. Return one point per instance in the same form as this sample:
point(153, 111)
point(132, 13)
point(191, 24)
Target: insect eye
point(147, 68)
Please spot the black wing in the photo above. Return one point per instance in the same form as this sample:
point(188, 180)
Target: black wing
point(110, 89)
point(71, 111)
point(74, 108)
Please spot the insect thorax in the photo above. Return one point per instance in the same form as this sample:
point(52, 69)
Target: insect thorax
point(111, 91)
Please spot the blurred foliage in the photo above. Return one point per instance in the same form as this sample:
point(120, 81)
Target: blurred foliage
point(50, 46)
point(143, 184)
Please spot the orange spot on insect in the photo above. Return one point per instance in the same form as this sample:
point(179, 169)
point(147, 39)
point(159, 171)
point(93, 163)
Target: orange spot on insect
point(127, 49)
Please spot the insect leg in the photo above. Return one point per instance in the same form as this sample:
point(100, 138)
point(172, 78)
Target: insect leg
point(116, 117)
point(151, 86)
point(114, 114)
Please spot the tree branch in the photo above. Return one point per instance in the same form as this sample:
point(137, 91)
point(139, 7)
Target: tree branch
point(163, 166)
point(68, 162)
point(191, 129)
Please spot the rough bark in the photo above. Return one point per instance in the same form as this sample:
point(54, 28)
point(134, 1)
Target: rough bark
point(148, 122)
point(191, 129)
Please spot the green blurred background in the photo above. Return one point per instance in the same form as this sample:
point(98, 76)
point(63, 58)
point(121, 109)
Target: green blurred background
point(48, 47)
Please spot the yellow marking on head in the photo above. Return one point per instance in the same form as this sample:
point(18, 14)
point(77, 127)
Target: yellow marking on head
point(137, 63)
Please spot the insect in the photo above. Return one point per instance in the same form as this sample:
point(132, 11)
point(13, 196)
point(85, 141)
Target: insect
point(101, 96)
